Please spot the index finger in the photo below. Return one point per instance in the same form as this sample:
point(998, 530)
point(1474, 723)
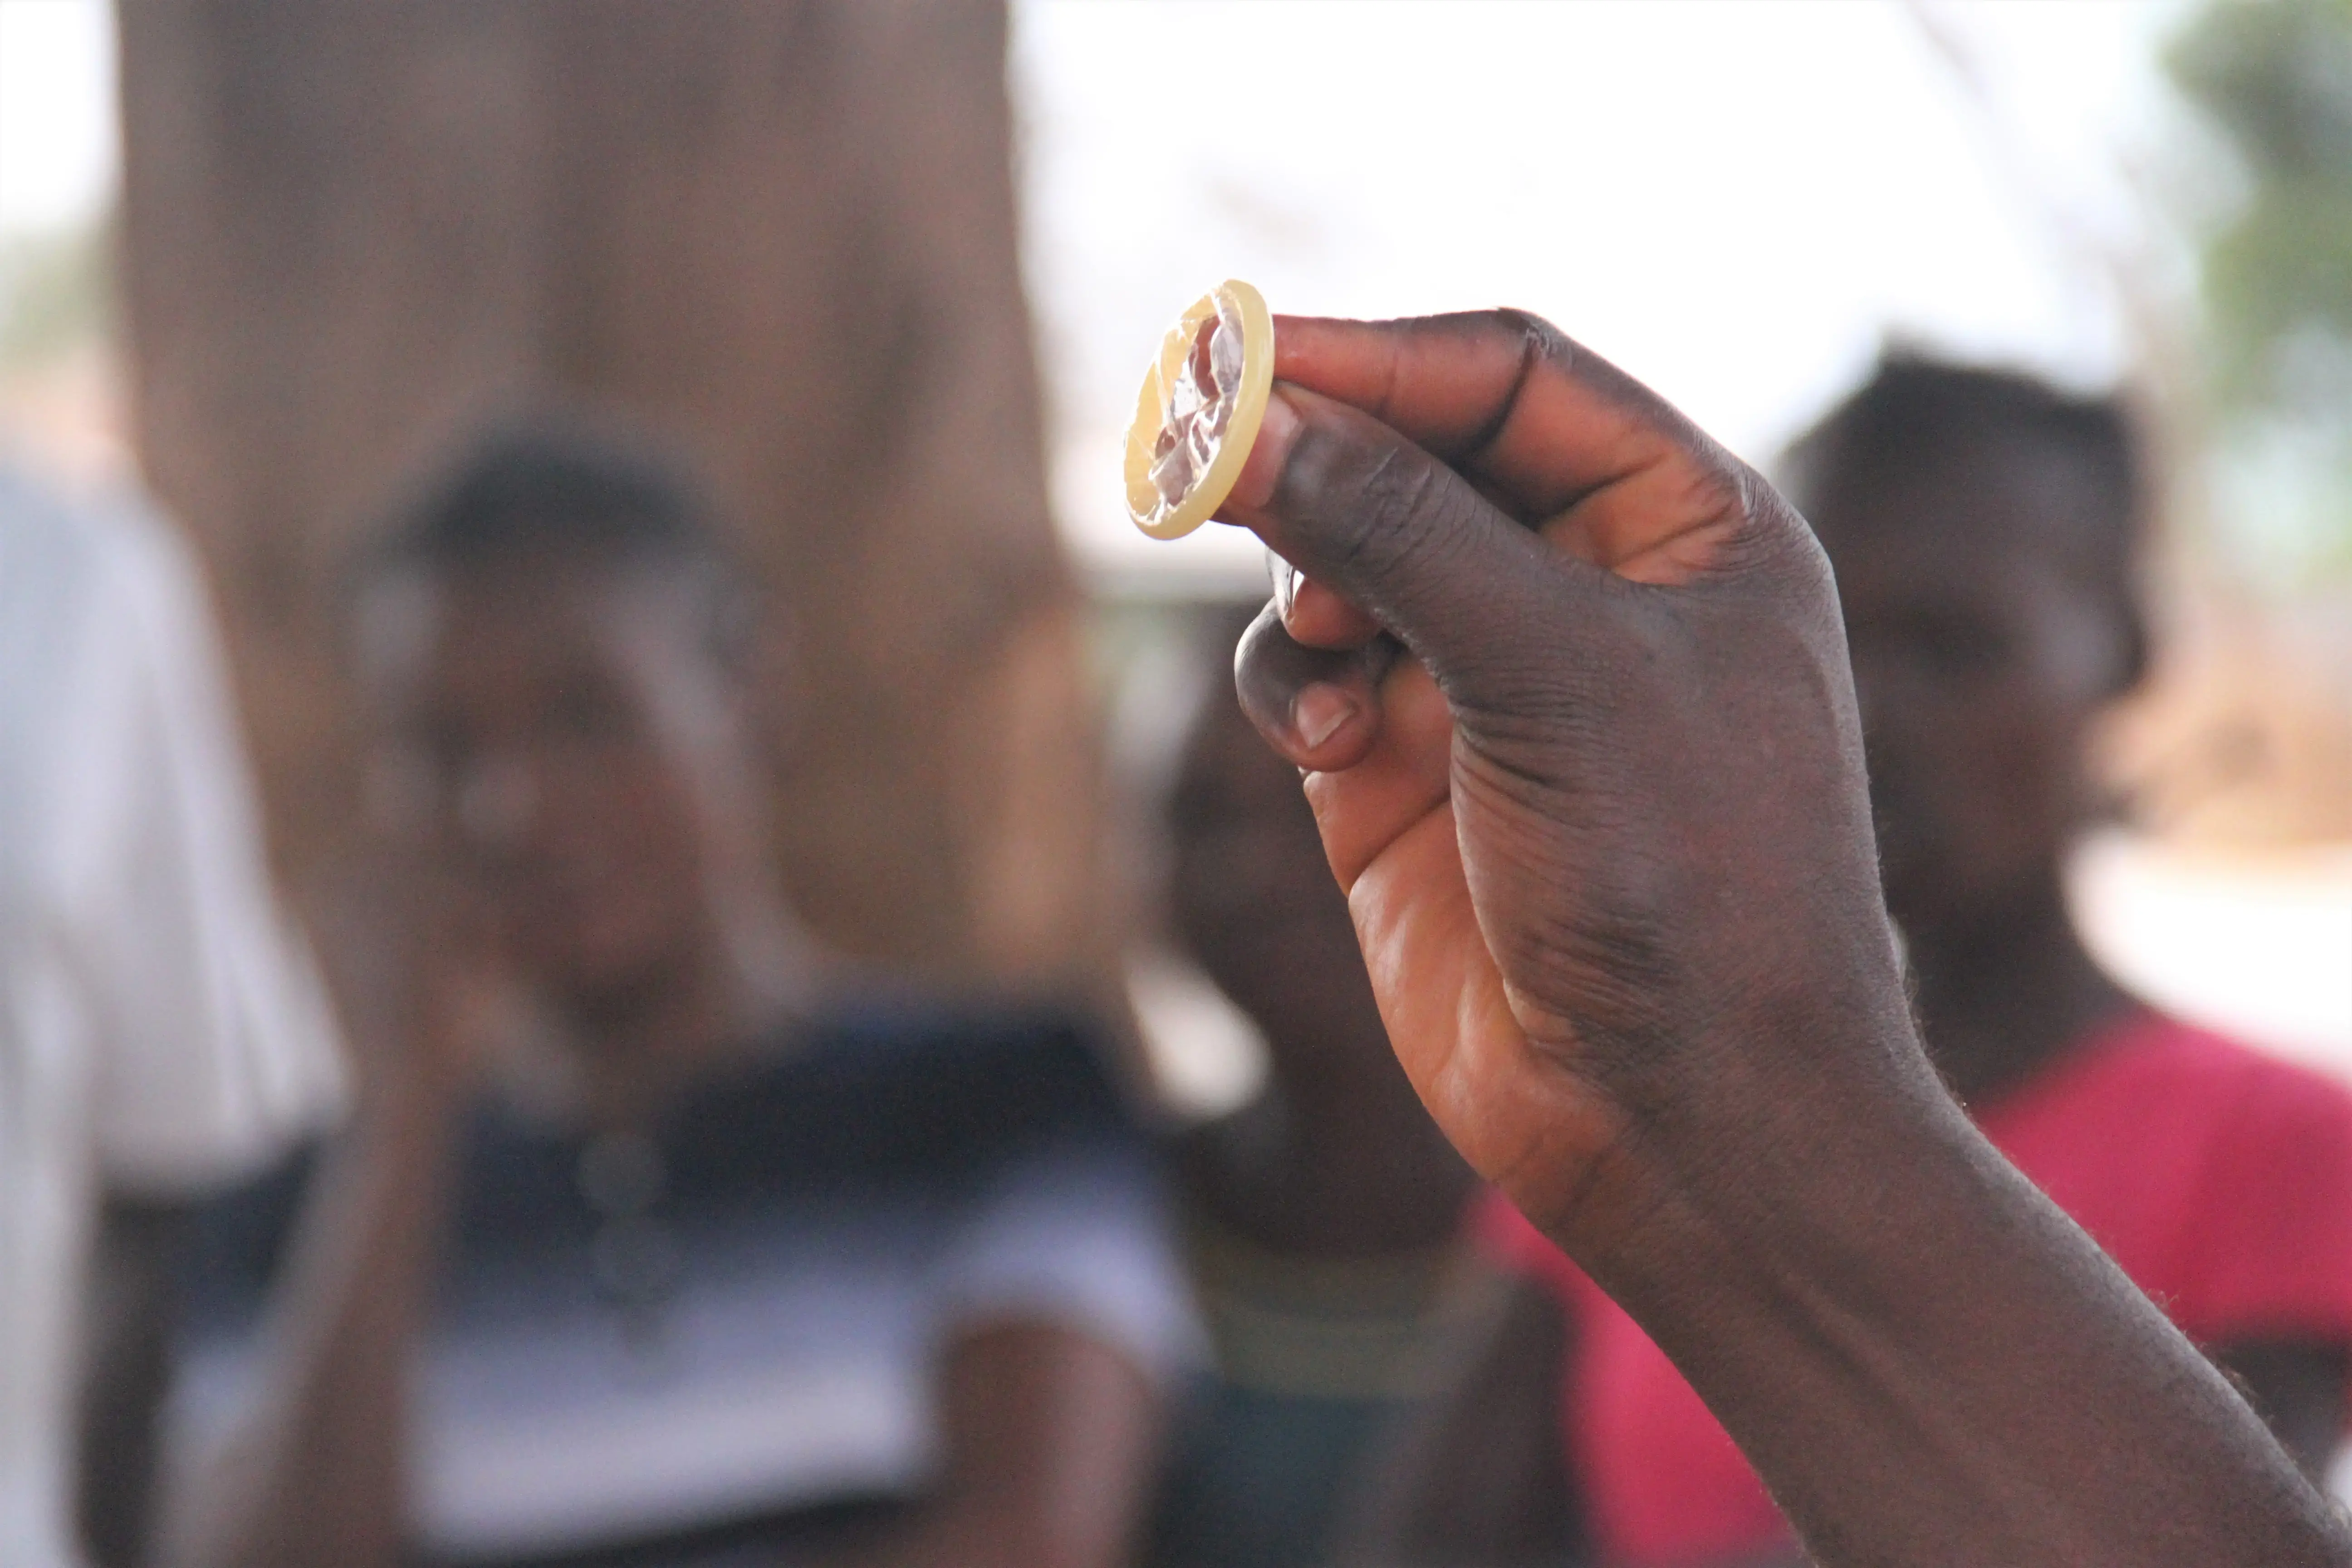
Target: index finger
point(1551, 432)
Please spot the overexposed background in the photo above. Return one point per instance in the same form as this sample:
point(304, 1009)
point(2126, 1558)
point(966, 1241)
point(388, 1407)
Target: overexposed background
point(1735, 202)
point(1738, 202)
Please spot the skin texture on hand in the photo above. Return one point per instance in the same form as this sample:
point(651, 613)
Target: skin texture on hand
point(1573, 694)
point(1569, 825)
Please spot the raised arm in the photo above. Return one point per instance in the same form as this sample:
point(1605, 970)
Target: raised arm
point(316, 1475)
point(317, 1478)
point(1604, 835)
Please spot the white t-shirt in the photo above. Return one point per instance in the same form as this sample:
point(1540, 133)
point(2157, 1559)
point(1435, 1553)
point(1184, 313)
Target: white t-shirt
point(695, 1345)
point(160, 1030)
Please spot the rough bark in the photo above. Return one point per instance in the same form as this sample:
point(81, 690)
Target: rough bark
point(778, 232)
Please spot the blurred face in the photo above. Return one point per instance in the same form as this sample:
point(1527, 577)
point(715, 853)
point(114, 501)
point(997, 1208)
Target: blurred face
point(554, 734)
point(1981, 654)
point(1252, 896)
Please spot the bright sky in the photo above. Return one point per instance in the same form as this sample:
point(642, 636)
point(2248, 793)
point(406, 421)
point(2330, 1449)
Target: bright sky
point(56, 113)
point(1736, 201)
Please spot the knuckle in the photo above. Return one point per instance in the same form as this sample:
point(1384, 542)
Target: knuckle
point(1257, 658)
point(1549, 342)
point(1539, 344)
point(1540, 678)
point(1395, 498)
point(1371, 503)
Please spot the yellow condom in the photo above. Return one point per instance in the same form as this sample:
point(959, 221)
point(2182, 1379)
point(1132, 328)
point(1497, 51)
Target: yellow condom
point(1198, 413)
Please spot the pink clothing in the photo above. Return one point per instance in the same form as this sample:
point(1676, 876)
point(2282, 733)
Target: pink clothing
point(2221, 1181)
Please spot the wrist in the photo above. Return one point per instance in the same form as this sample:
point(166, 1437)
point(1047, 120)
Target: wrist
point(1767, 1161)
point(397, 1161)
point(1667, 1094)
point(1922, 1356)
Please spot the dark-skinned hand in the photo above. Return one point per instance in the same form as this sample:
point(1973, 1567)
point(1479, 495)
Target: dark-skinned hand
point(1570, 690)
point(1607, 820)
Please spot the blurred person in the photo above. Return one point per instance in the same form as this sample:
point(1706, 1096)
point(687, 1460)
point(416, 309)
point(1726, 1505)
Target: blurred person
point(1570, 691)
point(1324, 1217)
point(760, 1260)
point(162, 1033)
point(1986, 532)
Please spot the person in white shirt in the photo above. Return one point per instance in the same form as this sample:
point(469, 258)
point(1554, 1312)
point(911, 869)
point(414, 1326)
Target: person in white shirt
point(162, 1030)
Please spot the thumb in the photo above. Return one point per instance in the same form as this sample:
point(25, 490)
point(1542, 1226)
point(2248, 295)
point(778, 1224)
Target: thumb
point(1356, 506)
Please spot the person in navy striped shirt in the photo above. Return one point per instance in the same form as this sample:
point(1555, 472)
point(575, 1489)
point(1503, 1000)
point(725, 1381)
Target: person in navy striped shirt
point(740, 1255)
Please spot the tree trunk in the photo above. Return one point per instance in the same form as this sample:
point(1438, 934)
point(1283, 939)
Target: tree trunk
point(778, 232)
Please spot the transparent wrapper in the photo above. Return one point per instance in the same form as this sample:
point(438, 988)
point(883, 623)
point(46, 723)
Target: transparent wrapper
point(1199, 411)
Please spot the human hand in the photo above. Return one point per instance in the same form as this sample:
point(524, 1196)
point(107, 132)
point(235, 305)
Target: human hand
point(412, 964)
point(1603, 826)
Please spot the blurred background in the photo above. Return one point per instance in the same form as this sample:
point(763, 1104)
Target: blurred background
point(1740, 203)
point(884, 273)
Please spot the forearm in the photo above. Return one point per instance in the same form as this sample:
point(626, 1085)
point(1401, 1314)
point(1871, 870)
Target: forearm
point(317, 1479)
point(1926, 1361)
point(127, 1332)
point(1050, 1441)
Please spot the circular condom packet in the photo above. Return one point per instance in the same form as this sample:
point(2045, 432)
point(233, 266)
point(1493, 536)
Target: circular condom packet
point(1199, 412)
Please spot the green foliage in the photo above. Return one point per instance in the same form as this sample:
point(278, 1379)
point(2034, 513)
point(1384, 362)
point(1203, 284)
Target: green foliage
point(2276, 77)
point(57, 292)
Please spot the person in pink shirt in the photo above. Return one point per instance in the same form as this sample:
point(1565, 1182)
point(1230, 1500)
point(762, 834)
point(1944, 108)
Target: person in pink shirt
point(1984, 531)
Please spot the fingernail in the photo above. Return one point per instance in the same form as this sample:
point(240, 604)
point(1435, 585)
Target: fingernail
point(1285, 583)
point(1263, 471)
point(1317, 711)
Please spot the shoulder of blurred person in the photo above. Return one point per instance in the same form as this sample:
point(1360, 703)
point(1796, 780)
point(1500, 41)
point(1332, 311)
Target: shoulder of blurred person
point(136, 849)
point(2219, 1177)
point(736, 1315)
point(160, 1028)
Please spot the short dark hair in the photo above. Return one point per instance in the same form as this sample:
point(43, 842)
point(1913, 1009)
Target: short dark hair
point(1917, 410)
point(545, 486)
point(559, 489)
